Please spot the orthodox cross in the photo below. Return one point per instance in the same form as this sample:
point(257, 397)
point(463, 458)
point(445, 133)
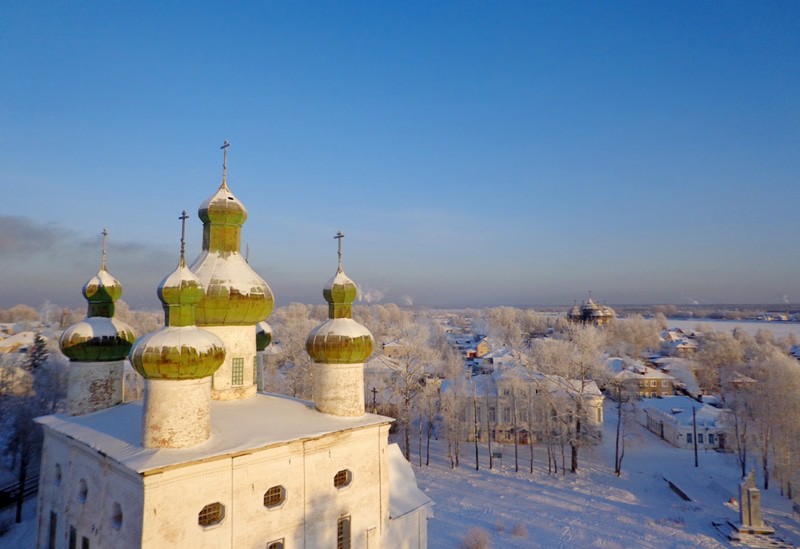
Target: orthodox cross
point(103, 260)
point(339, 236)
point(224, 148)
point(374, 396)
point(183, 219)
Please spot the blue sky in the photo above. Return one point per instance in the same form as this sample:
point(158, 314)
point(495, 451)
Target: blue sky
point(474, 153)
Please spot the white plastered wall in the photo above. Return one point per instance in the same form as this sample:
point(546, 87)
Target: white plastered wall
point(176, 412)
point(240, 342)
point(93, 386)
point(107, 483)
point(339, 389)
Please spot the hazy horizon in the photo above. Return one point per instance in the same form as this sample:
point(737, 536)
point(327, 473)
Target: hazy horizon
point(483, 154)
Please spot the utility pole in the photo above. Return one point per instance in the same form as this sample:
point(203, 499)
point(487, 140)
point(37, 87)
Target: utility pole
point(694, 433)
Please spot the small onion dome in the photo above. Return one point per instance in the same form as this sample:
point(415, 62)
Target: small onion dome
point(263, 335)
point(102, 288)
point(179, 350)
point(223, 207)
point(99, 337)
point(340, 340)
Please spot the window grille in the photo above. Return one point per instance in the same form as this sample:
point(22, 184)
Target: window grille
point(342, 478)
point(237, 374)
point(211, 514)
point(274, 496)
point(343, 533)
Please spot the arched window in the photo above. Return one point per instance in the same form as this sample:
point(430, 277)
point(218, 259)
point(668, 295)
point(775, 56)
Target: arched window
point(211, 514)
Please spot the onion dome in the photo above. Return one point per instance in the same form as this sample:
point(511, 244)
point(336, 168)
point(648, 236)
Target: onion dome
point(234, 294)
point(179, 350)
point(99, 337)
point(263, 335)
point(340, 340)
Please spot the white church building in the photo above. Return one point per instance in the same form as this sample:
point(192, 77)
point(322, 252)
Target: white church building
point(205, 461)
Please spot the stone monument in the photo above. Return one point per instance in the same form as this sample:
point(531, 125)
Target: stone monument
point(750, 519)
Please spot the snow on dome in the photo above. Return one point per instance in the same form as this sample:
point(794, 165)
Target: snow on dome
point(180, 287)
point(235, 295)
point(340, 289)
point(223, 207)
point(340, 341)
point(263, 335)
point(102, 287)
point(178, 352)
point(97, 339)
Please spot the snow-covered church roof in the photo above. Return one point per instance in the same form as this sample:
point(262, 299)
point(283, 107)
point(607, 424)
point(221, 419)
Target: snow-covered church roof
point(236, 426)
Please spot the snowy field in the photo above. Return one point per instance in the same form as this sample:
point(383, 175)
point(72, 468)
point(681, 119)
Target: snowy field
point(593, 508)
point(778, 329)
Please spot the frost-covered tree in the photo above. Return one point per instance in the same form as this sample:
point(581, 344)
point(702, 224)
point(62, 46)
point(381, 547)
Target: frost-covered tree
point(412, 359)
point(291, 364)
point(634, 334)
point(572, 366)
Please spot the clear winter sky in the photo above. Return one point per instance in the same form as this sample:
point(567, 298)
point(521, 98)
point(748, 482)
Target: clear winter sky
point(474, 153)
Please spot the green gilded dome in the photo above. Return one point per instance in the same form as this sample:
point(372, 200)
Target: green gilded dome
point(179, 292)
point(340, 292)
point(234, 293)
point(223, 207)
point(340, 340)
point(102, 288)
point(99, 337)
point(263, 335)
point(178, 352)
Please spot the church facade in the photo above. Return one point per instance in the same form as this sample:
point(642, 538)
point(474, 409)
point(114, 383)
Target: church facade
point(205, 460)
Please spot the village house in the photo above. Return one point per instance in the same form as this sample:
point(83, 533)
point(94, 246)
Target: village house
point(639, 380)
point(672, 419)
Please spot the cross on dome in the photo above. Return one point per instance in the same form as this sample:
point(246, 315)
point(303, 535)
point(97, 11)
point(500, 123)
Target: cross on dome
point(184, 216)
point(339, 236)
point(224, 148)
point(103, 260)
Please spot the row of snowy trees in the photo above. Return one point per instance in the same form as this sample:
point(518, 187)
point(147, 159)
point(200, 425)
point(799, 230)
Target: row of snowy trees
point(548, 394)
point(760, 383)
point(549, 397)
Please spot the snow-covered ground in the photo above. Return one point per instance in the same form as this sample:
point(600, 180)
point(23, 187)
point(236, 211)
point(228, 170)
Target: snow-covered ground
point(593, 508)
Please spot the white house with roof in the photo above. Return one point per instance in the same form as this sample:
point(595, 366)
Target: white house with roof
point(672, 419)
